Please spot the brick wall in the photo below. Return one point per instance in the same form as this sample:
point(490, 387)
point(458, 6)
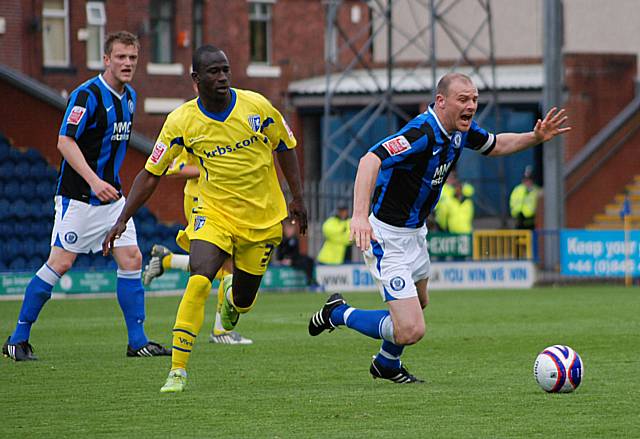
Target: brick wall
point(599, 86)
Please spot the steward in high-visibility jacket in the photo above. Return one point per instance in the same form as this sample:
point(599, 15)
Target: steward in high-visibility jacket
point(336, 238)
point(524, 203)
point(459, 210)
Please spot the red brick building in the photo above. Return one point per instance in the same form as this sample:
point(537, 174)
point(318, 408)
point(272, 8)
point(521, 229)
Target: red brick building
point(59, 43)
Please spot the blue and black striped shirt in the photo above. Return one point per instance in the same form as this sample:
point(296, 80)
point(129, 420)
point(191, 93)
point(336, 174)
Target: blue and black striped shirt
point(415, 164)
point(99, 119)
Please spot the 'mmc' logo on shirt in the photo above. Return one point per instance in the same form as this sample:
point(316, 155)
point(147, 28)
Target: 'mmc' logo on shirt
point(121, 131)
point(440, 174)
point(219, 150)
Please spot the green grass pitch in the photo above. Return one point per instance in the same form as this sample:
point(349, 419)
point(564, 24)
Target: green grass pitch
point(477, 357)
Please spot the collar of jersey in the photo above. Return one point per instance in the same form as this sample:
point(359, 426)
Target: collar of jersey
point(222, 116)
point(120, 96)
point(433, 113)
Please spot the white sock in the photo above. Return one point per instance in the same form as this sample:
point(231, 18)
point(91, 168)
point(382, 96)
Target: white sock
point(217, 325)
point(180, 262)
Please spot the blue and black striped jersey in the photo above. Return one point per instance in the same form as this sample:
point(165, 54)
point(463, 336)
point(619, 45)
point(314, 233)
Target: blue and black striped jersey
point(415, 164)
point(99, 119)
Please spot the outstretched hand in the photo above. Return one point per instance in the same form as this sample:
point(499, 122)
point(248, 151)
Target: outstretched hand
point(551, 125)
point(114, 233)
point(298, 213)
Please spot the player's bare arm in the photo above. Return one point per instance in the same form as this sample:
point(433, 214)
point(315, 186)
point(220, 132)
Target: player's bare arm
point(72, 154)
point(187, 173)
point(143, 186)
point(288, 161)
point(361, 232)
point(546, 129)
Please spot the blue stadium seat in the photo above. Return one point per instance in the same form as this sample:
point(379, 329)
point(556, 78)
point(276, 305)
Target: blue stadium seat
point(15, 155)
point(5, 210)
point(20, 209)
point(6, 169)
point(13, 248)
point(18, 264)
point(11, 190)
point(28, 189)
point(21, 170)
point(28, 246)
point(45, 191)
point(34, 262)
point(4, 151)
point(33, 156)
point(6, 227)
point(52, 175)
point(38, 171)
point(46, 211)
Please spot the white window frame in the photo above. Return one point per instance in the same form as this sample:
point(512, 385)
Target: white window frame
point(57, 13)
point(98, 21)
point(268, 19)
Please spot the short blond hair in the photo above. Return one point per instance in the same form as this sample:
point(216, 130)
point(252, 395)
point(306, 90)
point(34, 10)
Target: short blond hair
point(124, 37)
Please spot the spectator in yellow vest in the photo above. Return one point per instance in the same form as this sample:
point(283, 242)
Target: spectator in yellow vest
point(454, 211)
point(336, 238)
point(460, 210)
point(524, 201)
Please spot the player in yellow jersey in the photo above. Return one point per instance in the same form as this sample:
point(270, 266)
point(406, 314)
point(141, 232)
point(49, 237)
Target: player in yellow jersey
point(185, 166)
point(233, 134)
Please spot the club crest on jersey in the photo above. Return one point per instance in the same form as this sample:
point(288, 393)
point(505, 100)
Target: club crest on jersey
point(397, 283)
point(71, 237)
point(457, 139)
point(157, 153)
point(131, 107)
point(198, 222)
point(75, 115)
point(397, 145)
point(254, 122)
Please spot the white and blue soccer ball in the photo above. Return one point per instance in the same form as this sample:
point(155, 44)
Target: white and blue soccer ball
point(558, 369)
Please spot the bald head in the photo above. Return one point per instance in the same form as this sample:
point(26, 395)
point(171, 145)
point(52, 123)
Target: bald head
point(445, 82)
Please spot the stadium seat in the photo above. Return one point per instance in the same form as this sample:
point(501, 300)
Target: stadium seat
point(5, 212)
point(6, 169)
point(21, 170)
point(18, 264)
point(15, 155)
point(52, 175)
point(45, 190)
point(33, 263)
point(38, 171)
point(33, 156)
point(11, 190)
point(28, 190)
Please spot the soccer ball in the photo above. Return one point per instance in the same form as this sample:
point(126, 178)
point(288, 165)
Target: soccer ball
point(558, 369)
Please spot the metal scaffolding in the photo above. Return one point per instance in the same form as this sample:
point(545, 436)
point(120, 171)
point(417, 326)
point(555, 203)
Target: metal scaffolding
point(382, 57)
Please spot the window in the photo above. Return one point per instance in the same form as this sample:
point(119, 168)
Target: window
point(198, 36)
point(55, 33)
point(260, 31)
point(161, 31)
point(96, 20)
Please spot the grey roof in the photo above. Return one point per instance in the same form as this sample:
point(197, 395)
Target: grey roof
point(404, 80)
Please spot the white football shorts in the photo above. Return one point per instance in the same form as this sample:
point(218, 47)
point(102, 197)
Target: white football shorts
point(80, 227)
point(398, 259)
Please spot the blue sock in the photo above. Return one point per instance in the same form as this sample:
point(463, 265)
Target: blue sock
point(35, 296)
point(389, 355)
point(131, 299)
point(366, 322)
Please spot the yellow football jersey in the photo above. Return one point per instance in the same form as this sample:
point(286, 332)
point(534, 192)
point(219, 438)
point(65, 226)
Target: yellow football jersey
point(185, 159)
point(234, 152)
